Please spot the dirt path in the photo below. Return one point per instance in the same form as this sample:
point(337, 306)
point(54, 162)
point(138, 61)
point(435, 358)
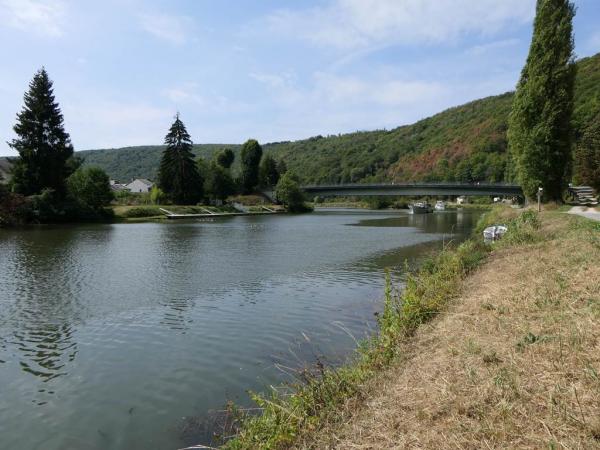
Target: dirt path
point(584, 211)
point(514, 363)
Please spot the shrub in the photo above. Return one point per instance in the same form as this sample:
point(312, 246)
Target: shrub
point(143, 211)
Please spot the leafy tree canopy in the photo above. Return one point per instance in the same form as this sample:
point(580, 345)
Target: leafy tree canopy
point(219, 184)
point(90, 188)
point(587, 160)
point(250, 157)
point(268, 171)
point(225, 158)
point(289, 194)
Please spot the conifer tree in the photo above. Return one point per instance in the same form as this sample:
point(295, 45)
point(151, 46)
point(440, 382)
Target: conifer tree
point(45, 150)
point(251, 155)
point(540, 134)
point(178, 175)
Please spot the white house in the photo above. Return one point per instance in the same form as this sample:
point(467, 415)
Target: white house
point(116, 187)
point(140, 185)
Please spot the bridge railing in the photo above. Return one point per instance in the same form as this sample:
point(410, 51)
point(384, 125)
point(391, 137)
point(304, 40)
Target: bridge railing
point(411, 184)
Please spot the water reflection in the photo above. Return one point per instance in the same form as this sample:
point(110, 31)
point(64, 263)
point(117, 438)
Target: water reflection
point(46, 350)
point(109, 335)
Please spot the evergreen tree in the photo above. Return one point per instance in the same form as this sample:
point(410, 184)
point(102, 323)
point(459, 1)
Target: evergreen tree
point(178, 175)
point(540, 135)
point(587, 156)
point(225, 158)
point(44, 147)
point(268, 173)
point(251, 155)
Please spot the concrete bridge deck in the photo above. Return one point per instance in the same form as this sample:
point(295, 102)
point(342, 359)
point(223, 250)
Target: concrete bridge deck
point(414, 189)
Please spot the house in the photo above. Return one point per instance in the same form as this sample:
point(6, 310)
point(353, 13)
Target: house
point(117, 187)
point(140, 185)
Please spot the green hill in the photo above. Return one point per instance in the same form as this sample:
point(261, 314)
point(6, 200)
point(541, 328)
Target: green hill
point(465, 143)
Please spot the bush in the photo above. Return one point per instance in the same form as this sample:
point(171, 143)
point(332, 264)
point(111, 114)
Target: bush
point(90, 188)
point(142, 211)
point(14, 208)
point(289, 194)
point(157, 196)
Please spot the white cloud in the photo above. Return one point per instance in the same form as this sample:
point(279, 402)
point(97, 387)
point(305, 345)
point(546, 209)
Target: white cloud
point(43, 17)
point(186, 94)
point(479, 50)
point(170, 28)
point(349, 24)
point(274, 80)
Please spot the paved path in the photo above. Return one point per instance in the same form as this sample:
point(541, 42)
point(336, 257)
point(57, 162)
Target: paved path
point(584, 211)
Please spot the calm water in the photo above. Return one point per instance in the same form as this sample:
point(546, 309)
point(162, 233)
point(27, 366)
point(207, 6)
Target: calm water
point(125, 336)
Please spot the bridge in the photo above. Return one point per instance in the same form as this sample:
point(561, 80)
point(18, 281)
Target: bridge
point(413, 190)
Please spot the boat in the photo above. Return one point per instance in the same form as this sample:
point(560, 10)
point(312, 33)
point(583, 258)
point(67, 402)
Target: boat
point(440, 206)
point(420, 208)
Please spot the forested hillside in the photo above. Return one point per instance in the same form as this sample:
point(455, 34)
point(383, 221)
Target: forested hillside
point(465, 143)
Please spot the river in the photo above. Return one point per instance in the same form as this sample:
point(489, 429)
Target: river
point(126, 336)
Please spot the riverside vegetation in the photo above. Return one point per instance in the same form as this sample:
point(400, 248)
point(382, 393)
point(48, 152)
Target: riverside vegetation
point(48, 184)
point(483, 335)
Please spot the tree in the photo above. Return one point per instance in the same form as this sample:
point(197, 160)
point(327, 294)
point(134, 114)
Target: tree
point(157, 196)
point(178, 174)
point(90, 188)
point(539, 133)
point(251, 155)
point(43, 144)
point(268, 172)
point(289, 194)
point(587, 156)
point(281, 167)
point(225, 158)
point(219, 184)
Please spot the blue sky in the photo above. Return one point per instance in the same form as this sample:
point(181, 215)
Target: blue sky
point(267, 69)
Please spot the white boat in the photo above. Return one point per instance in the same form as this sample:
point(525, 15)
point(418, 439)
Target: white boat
point(494, 233)
point(440, 206)
point(420, 208)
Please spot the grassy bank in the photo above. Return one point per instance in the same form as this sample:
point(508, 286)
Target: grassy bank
point(321, 411)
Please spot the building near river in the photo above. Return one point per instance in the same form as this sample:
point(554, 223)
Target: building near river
point(140, 185)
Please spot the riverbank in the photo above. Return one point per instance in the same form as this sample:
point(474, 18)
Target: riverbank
point(512, 361)
point(137, 213)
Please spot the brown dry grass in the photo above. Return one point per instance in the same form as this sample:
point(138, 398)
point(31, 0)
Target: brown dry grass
point(513, 363)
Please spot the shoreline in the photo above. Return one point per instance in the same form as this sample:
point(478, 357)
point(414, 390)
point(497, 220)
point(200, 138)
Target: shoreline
point(335, 406)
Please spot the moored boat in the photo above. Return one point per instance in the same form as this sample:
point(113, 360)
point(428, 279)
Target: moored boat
point(420, 208)
point(440, 206)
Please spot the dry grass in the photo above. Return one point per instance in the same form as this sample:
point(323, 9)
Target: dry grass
point(513, 363)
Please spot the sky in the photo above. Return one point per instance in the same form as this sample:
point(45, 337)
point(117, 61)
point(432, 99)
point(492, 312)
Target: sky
point(271, 70)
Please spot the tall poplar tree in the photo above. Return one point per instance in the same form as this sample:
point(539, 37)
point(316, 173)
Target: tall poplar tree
point(250, 156)
point(45, 149)
point(540, 133)
point(178, 174)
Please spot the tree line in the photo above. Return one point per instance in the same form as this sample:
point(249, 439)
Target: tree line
point(186, 181)
point(49, 184)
